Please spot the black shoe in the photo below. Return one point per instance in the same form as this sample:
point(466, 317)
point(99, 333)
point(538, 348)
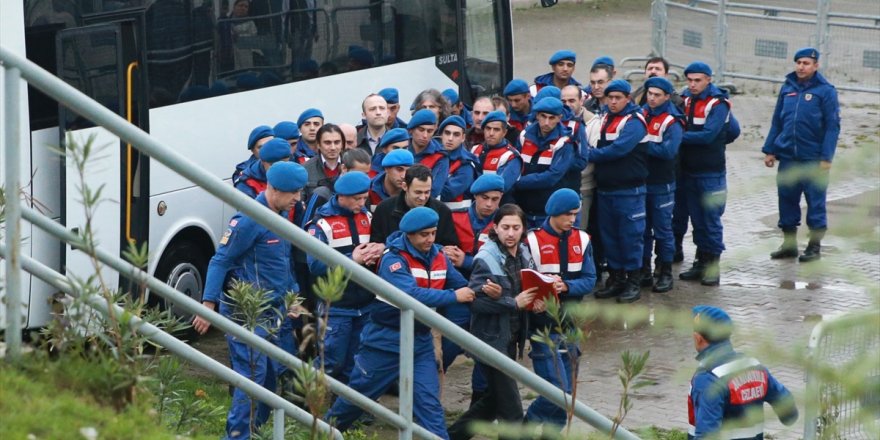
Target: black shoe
point(664, 282)
point(711, 270)
point(631, 292)
point(788, 249)
point(646, 277)
point(614, 286)
point(813, 252)
point(657, 264)
point(696, 270)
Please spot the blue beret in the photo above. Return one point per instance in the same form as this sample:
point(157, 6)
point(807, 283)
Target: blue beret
point(275, 150)
point(660, 83)
point(419, 218)
point(451, 95)
point(549, 105)
point(618, 85)
point(563, 55)
point(361, 55)
point(548, 91)
point(351, 183)
point(486, 183)
point(286, 130)
point(258, 133)
point(516, 87)
point(309, 114)
point(422, 117)
point(604, 59)
point(698, 67)
point(307, 66)
point(495, 116)
point(287, 176)
point(562, 201)
point(393, 136)
point(713, 323)
point(219, 88)
point(397, 158)
point(809, 52)
point(390, 95)
point(455, 120)
point(248, 81)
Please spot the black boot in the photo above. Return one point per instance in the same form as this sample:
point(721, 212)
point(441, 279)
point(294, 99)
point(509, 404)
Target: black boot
point(657, 264)
point(678, 257)
point(812, 252)
point(696, 270)
point(789, 247)
point(631, 291)
point(614, 286)
point(664, 282)
point(711, 270)
point(647, 278)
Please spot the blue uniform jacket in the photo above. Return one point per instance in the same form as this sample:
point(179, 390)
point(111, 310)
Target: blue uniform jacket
point(377, 185)
point(354, 296)
point(716, 120)
point(806, 121)
point(236, 175)
point(394, 269)
point(511, 170)
point(459, 182)
point(632, 134)
point(582, 284)
point(302, 151)
point(562, 159)
point(547, 80)
point(711, 398)
point(516, 116)
point(376, 161)
point(581, 143)
point(253, 254)
point(254, 170)
point(440, 171)
point(477, 224)
point(668, 148)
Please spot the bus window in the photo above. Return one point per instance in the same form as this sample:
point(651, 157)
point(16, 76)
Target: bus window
point(484, 61)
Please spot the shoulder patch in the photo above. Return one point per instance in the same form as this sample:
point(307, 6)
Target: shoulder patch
point(225, 238)
point(394, 267)
point(233, 222)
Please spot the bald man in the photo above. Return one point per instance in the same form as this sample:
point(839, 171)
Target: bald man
point(349, 132)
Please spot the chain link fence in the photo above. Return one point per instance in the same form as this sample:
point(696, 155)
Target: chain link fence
point(758, 41)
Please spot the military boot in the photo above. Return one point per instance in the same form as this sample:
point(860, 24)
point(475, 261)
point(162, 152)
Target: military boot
point(664, 282)
point(812, 252)
point(657, 264)
point(696, 270)
point(631, 291)
point(711, 270)
point(789, 247)
point(614, 286)
point(678, 257)
point(647, 278)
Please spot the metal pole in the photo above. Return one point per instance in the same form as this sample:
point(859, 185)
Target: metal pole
point(407, 349)
point(822, 8)
point(178, 347)
point(13, 215)
point(658, 34)
point(278, 424)
point(721, 42)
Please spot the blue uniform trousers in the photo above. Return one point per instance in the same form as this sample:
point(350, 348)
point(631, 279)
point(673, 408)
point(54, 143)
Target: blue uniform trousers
point(706, 198)
point(792, 180)
point(451, 350)
point(259, 368)
point(680, 216)
point(542, 410)
point(659, 209)
point(622, 227)
point(375, 370)
point(341, 341)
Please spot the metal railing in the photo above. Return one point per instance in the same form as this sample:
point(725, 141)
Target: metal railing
point(17, 67)
point(757, 41)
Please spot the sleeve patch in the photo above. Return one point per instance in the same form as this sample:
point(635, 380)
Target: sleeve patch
point(225, 238)
point(394, 267)
point(233, 222)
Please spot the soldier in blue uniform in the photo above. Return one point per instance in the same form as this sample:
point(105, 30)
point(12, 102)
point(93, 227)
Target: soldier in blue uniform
point(256, 139)
point(309, 122)
point(803, 136)
point(462, 164)
point(520, 100)
point(562, 64)
point(392, 97)
point(412, 255)
point(252, 180)
point(426, 150)
point(728, 390)
point(254, 254)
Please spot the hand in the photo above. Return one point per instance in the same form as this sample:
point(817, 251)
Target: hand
point(769, 161)
point(825, 165)
point(455, 255)
point(491, 289)
point(526, 297)
point(372, 253)
point(464, 295)
point(365, 252)
point(201, 325)
point(539, 306)
point(297, 311)
point(560, 285)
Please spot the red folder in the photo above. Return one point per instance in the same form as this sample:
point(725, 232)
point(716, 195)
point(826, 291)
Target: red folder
point(532, 278)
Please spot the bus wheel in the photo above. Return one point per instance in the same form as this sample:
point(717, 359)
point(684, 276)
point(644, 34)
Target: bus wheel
point(183, 267)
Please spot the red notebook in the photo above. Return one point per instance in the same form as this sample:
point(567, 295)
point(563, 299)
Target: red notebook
point(532, 278)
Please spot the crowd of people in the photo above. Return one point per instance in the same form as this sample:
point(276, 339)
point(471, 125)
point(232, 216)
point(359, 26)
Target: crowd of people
point(568, 179)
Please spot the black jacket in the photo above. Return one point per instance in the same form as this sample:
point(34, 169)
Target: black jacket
point(386, 219)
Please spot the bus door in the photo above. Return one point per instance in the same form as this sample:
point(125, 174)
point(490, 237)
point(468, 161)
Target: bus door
point(104, 61)
point(485, 52)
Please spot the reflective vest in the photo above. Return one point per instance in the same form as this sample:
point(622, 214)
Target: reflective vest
point(492, 160)
point(550, 259)
point(743, 382)
point(257, 185)
point(433, 278)
point(344, 232)
point(659, 170)
point(629, 171)
point(471, 241)
point(431, 160)
point(703, 158)
point(458, 203)
point(536, 160)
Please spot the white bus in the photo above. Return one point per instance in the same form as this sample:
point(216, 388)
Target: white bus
point(199, 75)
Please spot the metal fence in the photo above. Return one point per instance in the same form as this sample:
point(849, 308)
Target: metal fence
point(757, 41)
point(838, 407)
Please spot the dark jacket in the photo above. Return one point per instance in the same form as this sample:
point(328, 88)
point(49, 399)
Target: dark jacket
point(386, 220)
point(315, 169)
point(490, 318)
